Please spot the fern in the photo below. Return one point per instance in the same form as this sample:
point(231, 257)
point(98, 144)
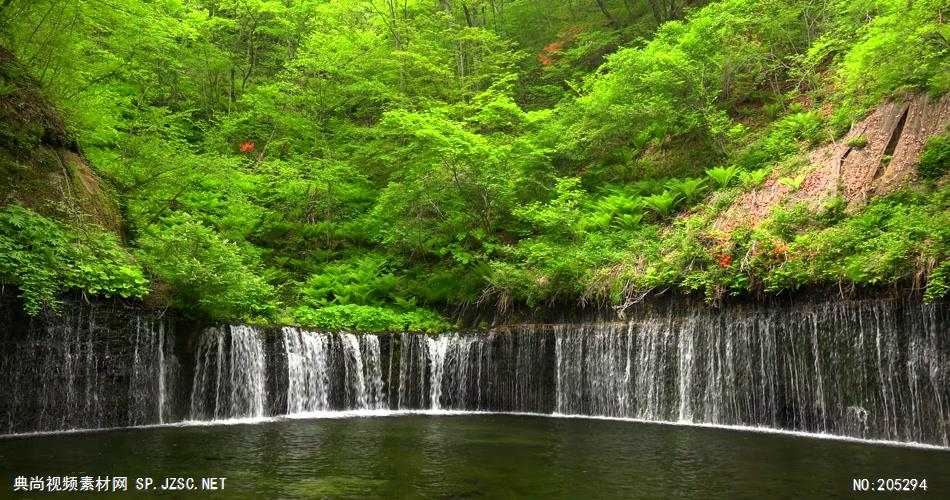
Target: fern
point(723, 175)
point(690, 189)
point(795, 184)
point(628, 221)
point(753, 179)
point(663, 204)
point(647, 187)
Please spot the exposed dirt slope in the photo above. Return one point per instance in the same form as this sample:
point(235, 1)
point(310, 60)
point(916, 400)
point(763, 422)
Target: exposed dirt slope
point(895, 134)
point(40, 165)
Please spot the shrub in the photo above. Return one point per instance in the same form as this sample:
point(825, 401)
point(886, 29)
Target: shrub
point(43, 258)
point(891, 240)
point(357, 317)
point(934, 161)
point(209, 275)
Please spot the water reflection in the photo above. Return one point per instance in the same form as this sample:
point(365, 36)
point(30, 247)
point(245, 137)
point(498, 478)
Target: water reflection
point(476, 456)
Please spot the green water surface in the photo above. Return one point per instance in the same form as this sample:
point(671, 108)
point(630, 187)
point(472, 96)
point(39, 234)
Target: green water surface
point(469, 456)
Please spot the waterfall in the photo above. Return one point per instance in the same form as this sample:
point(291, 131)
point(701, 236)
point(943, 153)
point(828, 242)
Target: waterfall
point(594, 369)
point(437, 348)
point(229, 378)
point(498, 371)
point(327, 371)
point(308, 381)
point(247, 372)
point(154, 371)
point(168, 373)
point(85, 366)
point(451, 372)
point(373, 376)
point(868, 369)
point(355, 376)
point(413, 360)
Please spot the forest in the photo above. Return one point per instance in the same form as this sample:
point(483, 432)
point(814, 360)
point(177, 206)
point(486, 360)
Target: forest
point(382, 165)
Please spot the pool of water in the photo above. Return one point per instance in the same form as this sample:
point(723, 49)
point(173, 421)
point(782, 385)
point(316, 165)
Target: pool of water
point(471, 456)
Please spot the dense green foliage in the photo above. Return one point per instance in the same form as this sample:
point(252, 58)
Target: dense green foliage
point(43, 258)
point(934, 160)
point(363, 163)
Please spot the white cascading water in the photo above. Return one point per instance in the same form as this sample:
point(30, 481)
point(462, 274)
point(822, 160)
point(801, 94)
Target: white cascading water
point(458, 368)
point(866, 369)
point(330, 371)
point(229, 380)
point(308, 380)
point(162, 375)
point(859, 371)
point(373, 372)
point(247, 372)
point(85, 367)
point(355, 377)
point(437, 348)
point(498, 371)
point(153, 371)
point(167, 374)
point(405, 367)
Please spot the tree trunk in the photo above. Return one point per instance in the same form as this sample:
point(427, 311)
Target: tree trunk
point(610, 18)
point(468, 15)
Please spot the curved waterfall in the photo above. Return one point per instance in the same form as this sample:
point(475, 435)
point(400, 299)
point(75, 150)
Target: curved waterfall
point(866, 369)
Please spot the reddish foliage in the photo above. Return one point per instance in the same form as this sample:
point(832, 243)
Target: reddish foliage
point(246, 147)
point(725, 260)
point(550, 51)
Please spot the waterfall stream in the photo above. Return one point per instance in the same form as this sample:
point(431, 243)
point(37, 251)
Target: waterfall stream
point(332, 371)
point(308, 380)
point(229, 374)
point(864, 369)
point(85, 367)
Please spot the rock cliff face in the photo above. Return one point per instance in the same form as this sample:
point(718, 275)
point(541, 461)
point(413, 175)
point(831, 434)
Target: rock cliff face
point(876, 157)
point(41, 166)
